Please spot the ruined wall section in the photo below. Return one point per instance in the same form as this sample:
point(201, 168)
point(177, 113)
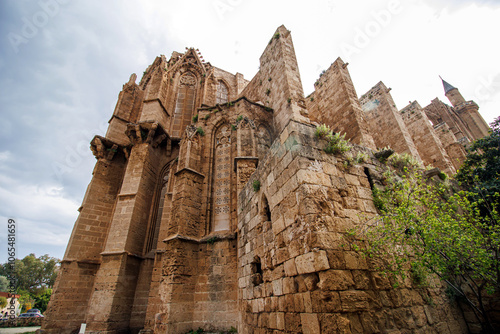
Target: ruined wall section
point(127, 110)
point(429, 146)
point(335, 103)
point(439, 112)
point(298, 269)
point(155, 86)
point(277, 84)
point(456, 151)
point(386, 124)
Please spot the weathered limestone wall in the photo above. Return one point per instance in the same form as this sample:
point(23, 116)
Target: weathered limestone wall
point(335, 103)
point(386, 124)
point(277, 84)
point(429, 146)
point(456, 151)
point(200, 286)
point(298, 269)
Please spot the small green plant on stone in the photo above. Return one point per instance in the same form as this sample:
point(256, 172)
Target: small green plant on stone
point(268, 91)
point(442, 176)
point(211, 241)
point(289, 100)
point(256, 185)
point(233, 330)
point(207, 116)
point(239, 118)
point(195, 118)
point(360, 158)
point(402, 161)
point(322, 131)
point(200, 131)
point(233, 127)
point(312, 99)
point(337, 144)
point(269, 79)
point(276, 35)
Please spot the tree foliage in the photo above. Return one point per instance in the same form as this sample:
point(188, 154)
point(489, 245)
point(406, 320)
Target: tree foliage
point(42, 300)
point(3, 302)
point(480, 173)
point(426, 227)
point(4, 284)
point(31, 273)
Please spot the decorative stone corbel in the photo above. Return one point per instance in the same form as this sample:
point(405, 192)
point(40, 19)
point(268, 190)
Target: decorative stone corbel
point(103, 148)
point(146, 132)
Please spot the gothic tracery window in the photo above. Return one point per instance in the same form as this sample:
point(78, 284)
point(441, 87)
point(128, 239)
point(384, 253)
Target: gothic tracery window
point(222, 93)
point(222, 179)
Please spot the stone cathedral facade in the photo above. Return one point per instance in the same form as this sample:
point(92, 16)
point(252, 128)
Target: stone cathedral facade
point(212, 205)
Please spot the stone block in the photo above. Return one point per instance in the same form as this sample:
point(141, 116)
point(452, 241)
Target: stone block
point(335, 280)
point(312, 262)
point(310, 323)
point(353, 301)
point(290, 269)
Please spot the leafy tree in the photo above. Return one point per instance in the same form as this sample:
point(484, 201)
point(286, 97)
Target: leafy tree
point(26, 300)
point(4, 284)
point(480, 173)
point(424, 227)
point(42, 300)
point(3, 302)
point(33, 274)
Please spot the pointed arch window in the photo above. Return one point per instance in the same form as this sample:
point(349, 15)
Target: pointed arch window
point(184, 106)
point(158, 208)
point(222, 93)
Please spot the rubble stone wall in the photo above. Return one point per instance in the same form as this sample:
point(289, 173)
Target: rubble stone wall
point(299, 271)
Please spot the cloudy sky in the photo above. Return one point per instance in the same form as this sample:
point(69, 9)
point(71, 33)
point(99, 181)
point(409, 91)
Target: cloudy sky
point(63, 63)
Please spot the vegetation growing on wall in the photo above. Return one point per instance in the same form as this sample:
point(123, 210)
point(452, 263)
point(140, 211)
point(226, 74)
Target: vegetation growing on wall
point(424, 227)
